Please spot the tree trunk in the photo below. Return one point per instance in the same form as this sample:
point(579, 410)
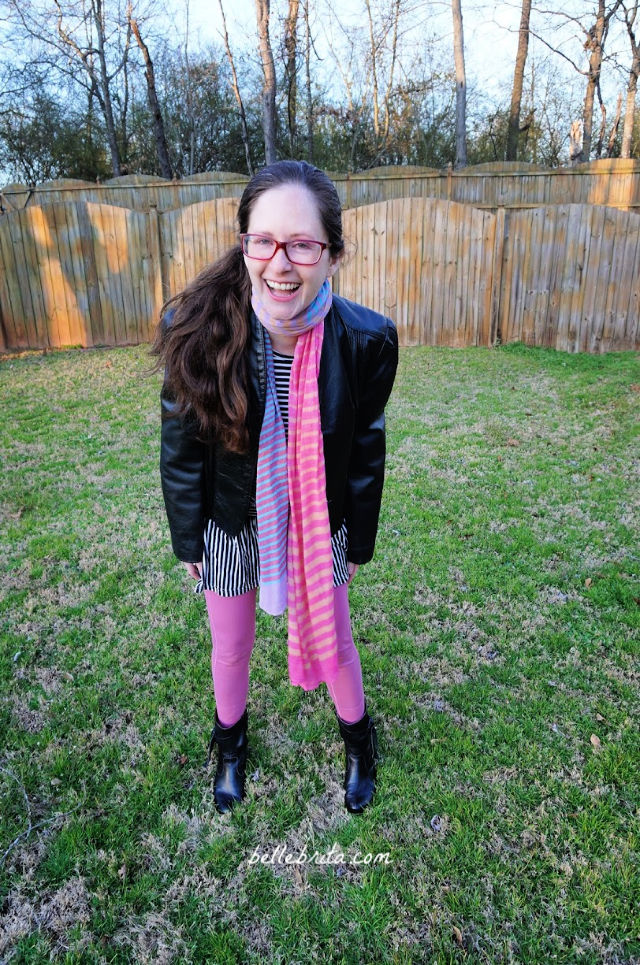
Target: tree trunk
point(105, 90)
point(518, 82)
point(614, 127)
point(461, 85)
point(595, 44)
point(291, 50)
point(374, 73)
point(575, 142)
point(236, 90)
point(603, 124)
point(189, 98)
point(632, 86)
point(154, 104)
point(269, 88)
point(307, 65)
point(389, 91)
point(124, 106)
point(99, 81)
point(630, 110)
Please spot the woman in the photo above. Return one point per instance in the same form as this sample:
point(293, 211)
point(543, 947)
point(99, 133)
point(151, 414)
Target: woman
point(273, 454)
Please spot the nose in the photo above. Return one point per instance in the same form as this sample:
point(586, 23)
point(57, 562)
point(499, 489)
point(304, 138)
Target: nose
point(280, 260)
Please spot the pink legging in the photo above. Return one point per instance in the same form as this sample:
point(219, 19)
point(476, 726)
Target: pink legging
point(233, 631)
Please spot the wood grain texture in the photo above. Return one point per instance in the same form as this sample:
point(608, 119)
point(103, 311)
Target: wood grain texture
point(562, 276)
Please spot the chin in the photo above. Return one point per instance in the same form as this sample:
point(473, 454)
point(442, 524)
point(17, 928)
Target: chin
point(286, 308)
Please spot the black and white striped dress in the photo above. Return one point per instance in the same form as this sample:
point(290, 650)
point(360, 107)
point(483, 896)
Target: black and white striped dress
point(230, 564)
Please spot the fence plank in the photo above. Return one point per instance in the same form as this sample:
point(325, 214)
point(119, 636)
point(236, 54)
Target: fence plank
point(152, 273)
point(612, 328)
point(632, 282)
point(425, 305)
point(77, 274)
point(95, 319)
point(36, 323)
point(13, 312)
point(61, 302)
point(579, 311)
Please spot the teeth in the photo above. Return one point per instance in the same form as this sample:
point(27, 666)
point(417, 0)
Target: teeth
point(283, 286)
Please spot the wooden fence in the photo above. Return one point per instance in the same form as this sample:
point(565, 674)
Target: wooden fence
point(566, 276)
point(561, 276)
point(430, 265)
point(614, 182)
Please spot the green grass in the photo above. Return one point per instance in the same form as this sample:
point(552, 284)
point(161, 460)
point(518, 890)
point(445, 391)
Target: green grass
point(498, 628)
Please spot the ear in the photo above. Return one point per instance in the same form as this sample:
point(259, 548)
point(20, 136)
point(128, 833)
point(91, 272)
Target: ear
point(334, 264)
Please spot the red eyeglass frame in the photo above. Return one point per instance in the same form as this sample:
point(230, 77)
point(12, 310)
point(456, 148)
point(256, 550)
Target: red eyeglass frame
point(283, 245)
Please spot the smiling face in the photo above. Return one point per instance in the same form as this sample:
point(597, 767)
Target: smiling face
point(285, 213)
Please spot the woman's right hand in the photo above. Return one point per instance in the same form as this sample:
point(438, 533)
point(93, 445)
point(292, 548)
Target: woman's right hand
point(193, 569)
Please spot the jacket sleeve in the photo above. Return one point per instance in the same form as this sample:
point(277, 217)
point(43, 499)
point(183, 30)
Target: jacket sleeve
point(182, 475)
point(366, 465)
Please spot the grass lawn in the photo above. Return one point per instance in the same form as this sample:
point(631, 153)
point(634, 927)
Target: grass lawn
point(498, 628)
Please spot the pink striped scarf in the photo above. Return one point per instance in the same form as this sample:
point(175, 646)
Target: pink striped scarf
point(296, 560)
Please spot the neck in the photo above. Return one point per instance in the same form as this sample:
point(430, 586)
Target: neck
point(283, 344)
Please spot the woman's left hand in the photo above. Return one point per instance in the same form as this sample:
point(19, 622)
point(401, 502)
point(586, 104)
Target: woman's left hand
point(353, 569)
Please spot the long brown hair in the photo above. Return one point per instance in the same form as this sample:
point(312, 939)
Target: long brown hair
point(204, 347)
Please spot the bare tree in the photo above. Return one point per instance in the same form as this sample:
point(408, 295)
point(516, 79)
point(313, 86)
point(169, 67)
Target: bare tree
point(236, 92)
point(291, 73)
point(461, 85)
point(368, 69)
point(307, 71)
point(377, 43)
point(374, 71)
point(348, 64)
point(191, 114)
point(594, 43)
point(79, 40)
point(269, 87)
point(513, 132)
point(93, 59)
point(152, 96)
point(630, 14)
point(597, 151)
point(614, 127)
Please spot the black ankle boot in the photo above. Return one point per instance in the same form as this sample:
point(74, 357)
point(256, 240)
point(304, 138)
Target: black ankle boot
point(361, 747)
point(228, 786)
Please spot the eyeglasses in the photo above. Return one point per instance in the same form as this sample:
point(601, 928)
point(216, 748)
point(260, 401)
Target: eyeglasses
point(302, 251)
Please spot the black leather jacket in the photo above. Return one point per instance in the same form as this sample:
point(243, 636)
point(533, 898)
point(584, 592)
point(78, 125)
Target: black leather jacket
point(357, 369)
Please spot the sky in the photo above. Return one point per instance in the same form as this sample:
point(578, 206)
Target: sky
point(490, 34)
point(487, 26)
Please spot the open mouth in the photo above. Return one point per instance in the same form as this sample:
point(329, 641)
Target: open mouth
point(286, 287)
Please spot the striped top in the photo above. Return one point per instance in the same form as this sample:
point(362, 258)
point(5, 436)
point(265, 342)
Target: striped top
point(282, 373)
point(231, 564)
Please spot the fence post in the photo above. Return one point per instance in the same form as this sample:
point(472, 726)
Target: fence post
point(496, 279)
point(154, 243)
point(4, 341)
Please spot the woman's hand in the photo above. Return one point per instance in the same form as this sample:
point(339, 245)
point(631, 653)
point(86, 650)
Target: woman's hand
point(352, 569)
point(193, 569)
